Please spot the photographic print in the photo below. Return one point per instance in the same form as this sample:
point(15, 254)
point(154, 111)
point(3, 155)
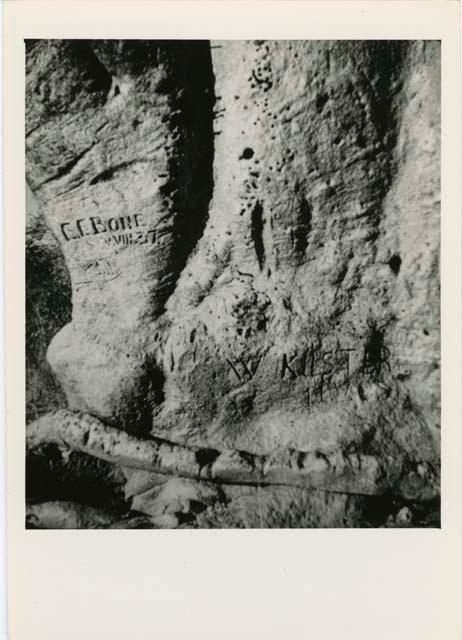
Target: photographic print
point(232, 284)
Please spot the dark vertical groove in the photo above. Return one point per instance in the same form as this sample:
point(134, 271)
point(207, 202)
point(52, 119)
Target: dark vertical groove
point(257, 234)
point(386, 63)
point(302, 229)
point(191, 168)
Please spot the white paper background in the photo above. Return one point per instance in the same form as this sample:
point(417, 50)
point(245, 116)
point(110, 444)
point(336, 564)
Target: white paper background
point(358, 584)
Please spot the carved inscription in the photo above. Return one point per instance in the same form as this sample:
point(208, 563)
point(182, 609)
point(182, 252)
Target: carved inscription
point(118, 231)
point(312, 361)
point(97, 269)
point(244, 370)
point(325, 371)
point(94, 225)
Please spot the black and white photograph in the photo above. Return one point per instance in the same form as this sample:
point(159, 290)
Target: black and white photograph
point(232, 284)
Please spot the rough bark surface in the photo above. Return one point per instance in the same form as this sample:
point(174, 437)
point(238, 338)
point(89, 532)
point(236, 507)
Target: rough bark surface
point(251, 233)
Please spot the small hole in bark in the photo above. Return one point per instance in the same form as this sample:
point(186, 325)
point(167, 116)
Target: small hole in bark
point(247, 153)
point(350, 88)
point(395, 264)
point(205, 457)
point(116, 90)
point(361, 393)
point(407, 404)
point(321, 100)
point(360, 141)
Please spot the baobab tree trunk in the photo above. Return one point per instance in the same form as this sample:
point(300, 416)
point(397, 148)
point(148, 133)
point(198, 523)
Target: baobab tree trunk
point(259, 277)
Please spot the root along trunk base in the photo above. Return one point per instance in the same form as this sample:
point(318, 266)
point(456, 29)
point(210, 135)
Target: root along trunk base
point(358, 474)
